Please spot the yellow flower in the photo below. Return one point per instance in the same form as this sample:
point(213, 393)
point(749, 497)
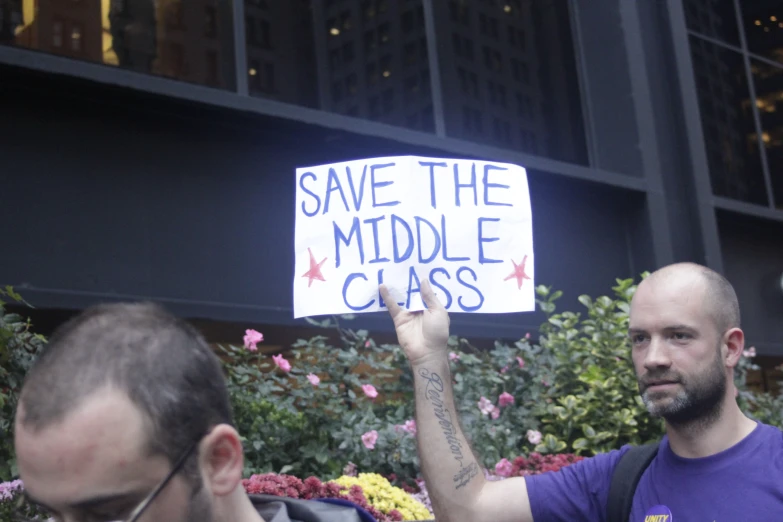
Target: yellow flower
point(385, 497)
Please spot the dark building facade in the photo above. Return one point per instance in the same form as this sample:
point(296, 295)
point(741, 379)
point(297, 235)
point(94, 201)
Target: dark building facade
point(149, 148)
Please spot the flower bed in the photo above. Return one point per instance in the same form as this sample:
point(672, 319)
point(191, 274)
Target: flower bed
point(372, 492)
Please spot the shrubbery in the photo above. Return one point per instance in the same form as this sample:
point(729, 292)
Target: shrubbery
point(526, 407)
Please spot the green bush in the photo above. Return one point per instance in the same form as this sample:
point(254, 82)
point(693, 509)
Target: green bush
point(594, 404)
point(293, 426)
point(573, 391)
point(19, 347)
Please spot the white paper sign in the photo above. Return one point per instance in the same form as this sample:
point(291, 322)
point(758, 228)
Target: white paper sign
point(464, 225)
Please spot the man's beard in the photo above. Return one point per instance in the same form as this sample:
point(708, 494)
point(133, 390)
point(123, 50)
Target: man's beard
point(699, 399)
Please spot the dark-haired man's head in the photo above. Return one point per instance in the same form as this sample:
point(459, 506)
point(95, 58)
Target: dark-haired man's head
point(118, 396)
point(686, 338)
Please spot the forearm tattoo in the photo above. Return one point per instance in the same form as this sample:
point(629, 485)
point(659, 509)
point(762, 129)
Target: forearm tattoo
point(433, 391)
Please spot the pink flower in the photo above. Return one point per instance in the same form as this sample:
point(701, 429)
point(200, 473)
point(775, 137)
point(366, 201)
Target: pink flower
point(495, 413)
point(504, 369)
point(408, 427)
point(533, 436)
point(503, 468)
point(453, 356)
point(367, 344)
point(252, 338)
point(369, 439)
point(485, 406)
point(314, 380)
point(281, 363)
point(521, 362)
point(750, 352)
point(505, 399)
point(527, 335)
point(369, 390)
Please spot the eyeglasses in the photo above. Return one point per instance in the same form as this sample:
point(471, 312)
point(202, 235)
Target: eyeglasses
point(144, 504)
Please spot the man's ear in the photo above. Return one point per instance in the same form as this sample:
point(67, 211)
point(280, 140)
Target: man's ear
point(221, 459)
point(732, 347)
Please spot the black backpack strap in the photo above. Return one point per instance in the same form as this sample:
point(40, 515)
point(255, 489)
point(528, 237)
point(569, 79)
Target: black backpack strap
point(625, 479)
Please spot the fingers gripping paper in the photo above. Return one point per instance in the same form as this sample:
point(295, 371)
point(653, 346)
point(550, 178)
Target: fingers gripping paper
point(464, 225)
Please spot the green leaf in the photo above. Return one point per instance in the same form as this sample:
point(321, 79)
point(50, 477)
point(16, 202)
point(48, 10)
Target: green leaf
point(585, 300)
point(580, 444)
point(588, 431)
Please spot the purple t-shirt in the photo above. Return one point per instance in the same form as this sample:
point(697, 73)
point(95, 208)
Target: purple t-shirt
point(742, 483)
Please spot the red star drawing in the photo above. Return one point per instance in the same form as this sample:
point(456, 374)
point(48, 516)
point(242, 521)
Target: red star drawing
point(519, 272)
point(315, 270)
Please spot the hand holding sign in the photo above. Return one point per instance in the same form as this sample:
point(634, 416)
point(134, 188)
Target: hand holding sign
point(420, 334)
point(465, 226)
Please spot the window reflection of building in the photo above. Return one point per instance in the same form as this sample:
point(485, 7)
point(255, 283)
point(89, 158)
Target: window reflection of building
point(132, 29)
point(66, 27)
point(10, 19)
point(504, 70)
point(725, 101)
point(195, 42)
point(763, 20)
point(725, 116)
point(280, 51)
point(764, 31)
point(376, 61)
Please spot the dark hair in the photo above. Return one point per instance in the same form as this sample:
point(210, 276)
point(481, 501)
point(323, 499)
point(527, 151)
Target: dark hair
point(162, 363)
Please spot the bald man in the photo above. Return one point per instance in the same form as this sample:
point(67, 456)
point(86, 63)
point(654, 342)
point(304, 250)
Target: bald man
point(713, 464)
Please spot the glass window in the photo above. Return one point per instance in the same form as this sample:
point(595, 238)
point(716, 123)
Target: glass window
point(713, 18)
point(763, 23)
point(768, 85)
point(210, 21)
point(76, 37)
point(57, 33)
point(157, 37)
point(727, 122)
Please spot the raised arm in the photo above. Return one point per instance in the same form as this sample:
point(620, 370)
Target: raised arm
point(455, 481)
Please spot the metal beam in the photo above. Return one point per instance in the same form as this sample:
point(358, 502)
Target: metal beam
point(658, 212)
point(108, 75)
point(748, 209)
point(240, 49)
point(754, 109)
point(434, 65)
point(713, 256)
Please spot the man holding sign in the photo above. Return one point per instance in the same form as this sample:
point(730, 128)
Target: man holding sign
point(463, 225)
point(713, 464)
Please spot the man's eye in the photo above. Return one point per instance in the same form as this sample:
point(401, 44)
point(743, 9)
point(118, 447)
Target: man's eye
point(637, 339)
point(680, 336)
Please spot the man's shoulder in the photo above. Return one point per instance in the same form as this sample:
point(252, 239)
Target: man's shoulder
point(274, 508)
point(575, 492)
point(597, 467)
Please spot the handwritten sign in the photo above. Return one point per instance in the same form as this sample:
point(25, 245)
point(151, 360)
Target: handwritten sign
point(464, 225)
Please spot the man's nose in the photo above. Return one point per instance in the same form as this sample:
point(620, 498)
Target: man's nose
point(657, 354)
